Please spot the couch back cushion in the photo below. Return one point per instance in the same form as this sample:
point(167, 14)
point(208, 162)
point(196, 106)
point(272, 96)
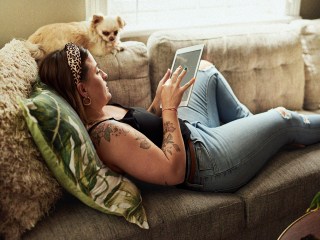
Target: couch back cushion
point(128, 74)
point(262, 63)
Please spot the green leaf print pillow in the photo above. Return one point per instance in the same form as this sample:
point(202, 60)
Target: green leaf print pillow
point(69, 153)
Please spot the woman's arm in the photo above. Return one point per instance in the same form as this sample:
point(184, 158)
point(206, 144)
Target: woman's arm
point(126, 150)
point(155, 107)
point(171, 95)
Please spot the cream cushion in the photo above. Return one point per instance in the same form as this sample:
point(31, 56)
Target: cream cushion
point(262, 63)
point(27, 188)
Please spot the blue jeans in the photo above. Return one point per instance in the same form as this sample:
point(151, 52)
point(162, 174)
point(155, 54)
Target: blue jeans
point(231, 144)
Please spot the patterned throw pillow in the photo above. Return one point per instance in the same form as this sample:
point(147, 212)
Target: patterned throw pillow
point(69, 153)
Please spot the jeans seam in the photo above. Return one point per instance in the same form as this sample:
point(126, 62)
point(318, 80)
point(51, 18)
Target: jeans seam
point(207, 97)
point(234, 99)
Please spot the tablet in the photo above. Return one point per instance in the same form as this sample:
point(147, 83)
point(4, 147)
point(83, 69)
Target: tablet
point(188, 57)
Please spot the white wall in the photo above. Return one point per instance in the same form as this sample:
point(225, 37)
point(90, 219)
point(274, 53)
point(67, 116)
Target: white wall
point(20, 18)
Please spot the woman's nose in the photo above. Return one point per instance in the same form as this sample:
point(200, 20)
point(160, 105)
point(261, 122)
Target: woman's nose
point(105, 76)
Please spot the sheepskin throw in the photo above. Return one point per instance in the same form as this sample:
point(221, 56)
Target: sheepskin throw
point(28, 190)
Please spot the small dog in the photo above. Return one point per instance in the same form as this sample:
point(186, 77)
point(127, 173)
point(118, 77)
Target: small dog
point(100, 36)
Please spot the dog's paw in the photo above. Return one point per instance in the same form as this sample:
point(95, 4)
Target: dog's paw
point(122, 48)
point(114, 51)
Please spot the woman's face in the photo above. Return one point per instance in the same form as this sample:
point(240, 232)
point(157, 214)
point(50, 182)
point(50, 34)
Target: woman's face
point(96, 84)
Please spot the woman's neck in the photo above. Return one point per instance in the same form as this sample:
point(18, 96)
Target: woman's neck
point(95, 114)
point(108, 111)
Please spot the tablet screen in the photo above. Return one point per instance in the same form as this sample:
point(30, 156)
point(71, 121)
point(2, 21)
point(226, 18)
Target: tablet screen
point(189, 59)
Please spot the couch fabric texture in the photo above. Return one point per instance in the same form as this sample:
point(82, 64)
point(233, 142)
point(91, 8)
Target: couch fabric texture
point(128, 75)
point(267, 66)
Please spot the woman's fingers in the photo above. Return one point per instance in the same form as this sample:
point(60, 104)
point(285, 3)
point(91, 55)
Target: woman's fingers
point(188, 84)
point(167, 74)
point(181, 76)
point(176, 74)
point(177, 77)
point(165, 77)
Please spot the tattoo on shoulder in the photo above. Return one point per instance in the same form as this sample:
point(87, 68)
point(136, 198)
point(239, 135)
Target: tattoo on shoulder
point(168, 145)
point(107, 131)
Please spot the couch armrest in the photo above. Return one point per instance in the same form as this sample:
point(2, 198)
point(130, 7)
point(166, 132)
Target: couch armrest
point(310, 41)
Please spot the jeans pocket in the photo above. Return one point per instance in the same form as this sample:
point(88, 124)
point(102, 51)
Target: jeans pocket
point(205, 162)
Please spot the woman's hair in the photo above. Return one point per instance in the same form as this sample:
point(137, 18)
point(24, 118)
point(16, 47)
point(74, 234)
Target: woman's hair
point(55, 72)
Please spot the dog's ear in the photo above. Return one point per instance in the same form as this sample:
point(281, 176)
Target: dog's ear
point(97, 18)
point(121, 22)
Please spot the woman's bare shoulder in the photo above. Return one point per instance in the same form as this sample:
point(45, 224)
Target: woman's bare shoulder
point(107, 130)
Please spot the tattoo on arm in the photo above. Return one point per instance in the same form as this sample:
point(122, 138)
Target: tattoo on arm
point(144, 144)
point(168, 127)
point(106, 131)
point(168, 144)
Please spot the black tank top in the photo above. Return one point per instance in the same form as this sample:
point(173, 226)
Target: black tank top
point(147, 123)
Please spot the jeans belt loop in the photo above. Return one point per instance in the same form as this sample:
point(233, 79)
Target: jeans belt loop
point(192, 162)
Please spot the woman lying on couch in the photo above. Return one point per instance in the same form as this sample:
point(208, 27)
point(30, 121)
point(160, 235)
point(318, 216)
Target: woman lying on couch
point(213, 144)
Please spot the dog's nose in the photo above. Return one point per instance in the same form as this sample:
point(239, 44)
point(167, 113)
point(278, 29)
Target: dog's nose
point(111, 39)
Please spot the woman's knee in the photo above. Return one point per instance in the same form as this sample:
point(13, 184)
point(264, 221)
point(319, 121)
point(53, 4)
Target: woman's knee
point(285, 113)
point(205, 64)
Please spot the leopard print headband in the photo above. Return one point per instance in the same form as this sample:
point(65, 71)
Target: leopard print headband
point(74, 61)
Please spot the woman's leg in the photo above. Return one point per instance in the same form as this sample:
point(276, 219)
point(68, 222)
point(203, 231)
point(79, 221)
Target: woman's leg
point(229, 106)
point(212, 101)
point(230, 155)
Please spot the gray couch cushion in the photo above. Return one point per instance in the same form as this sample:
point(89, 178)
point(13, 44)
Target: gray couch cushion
point(284, 188)
point(128, 73)
point(172, 213)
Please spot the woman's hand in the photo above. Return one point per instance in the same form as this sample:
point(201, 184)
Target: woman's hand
point(161, 83)
point(172, 92)
point(155, 105)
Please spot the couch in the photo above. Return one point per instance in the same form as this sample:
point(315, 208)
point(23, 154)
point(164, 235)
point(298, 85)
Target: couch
point(267, 65)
